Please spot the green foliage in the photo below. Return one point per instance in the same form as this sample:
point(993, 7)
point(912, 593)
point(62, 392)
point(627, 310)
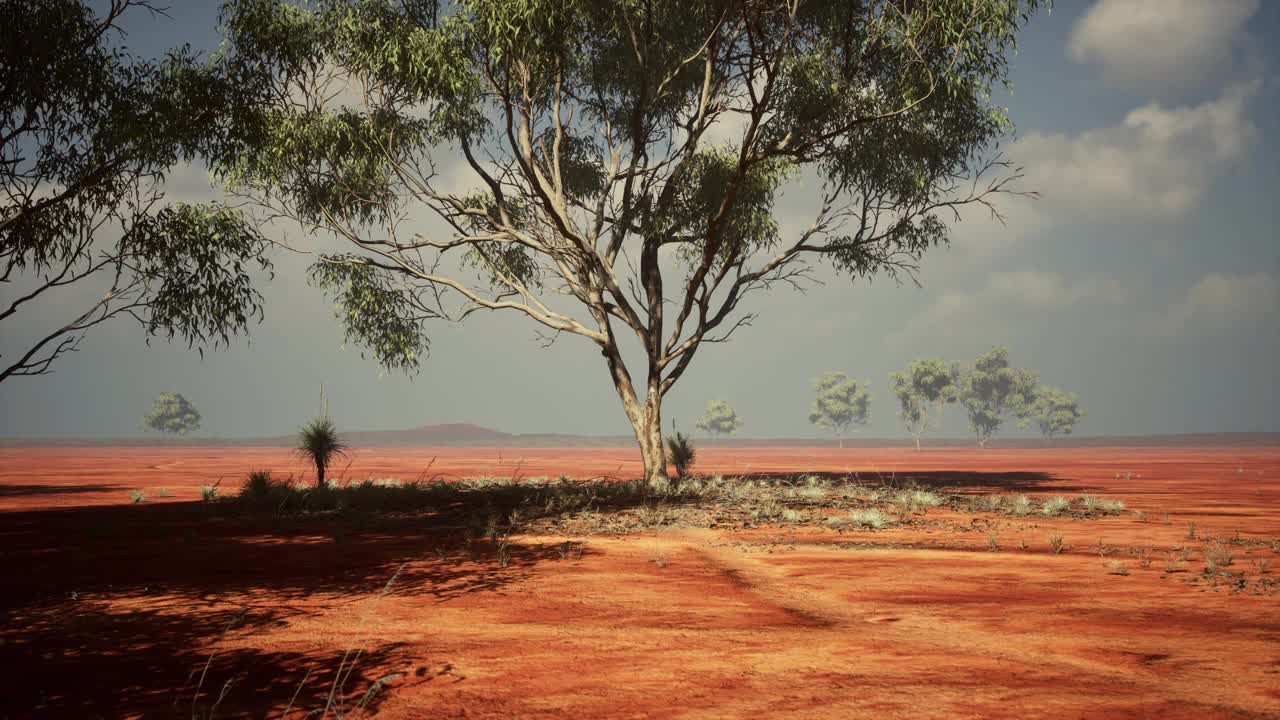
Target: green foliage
point(319, 442)
point(88, 134)
point(992, 389)
point(719, 419)
point(137, 496)
point(601, 140)
point(172, 413)
point(922, 393)
point(681, 453)
point(209, 493)
point(1054, 411)
point(840, 402)
point(376, 312)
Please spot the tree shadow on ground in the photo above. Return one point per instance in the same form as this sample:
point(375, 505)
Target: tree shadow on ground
point(21, 490)
point(107, 610)
point(952, 480)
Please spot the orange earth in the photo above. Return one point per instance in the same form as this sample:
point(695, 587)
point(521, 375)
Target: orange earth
point(114, 610)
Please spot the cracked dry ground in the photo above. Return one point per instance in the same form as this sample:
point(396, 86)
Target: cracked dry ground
point(119, 611)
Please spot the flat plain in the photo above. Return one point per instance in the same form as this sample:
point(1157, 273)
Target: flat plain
point(176, 607)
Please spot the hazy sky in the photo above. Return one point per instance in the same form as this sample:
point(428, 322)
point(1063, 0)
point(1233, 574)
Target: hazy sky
point(1146, 277)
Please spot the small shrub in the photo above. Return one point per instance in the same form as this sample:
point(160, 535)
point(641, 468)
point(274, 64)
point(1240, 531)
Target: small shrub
point(681, 453)
point(258, 487)
point(791, 516)
point(1217, 554)
point(1117, 567)
point(1113, 507)
point(1055, 506)
point(1056, 544)
point(870, 518)
point(991, 503)
point(1262, 566)
point(208, 493)
point(916, 500)
point(504, 554)
point(1141, 516)
point(1144, 559)
point(993, 541)
point(137, 496)
point(162, 492)
point(1191, 531)
point(1020, 506)
point(1089, 503)
point(319, 442)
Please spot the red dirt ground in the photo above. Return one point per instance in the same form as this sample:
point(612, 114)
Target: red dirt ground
point(116, 610)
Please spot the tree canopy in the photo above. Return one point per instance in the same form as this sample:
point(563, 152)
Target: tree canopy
point(1054, 411)
point(609, 169)
point(719, 419)
point(840, 402)
point(172, 414)
point(87, 136)
point(992, 390)
point(923, 392)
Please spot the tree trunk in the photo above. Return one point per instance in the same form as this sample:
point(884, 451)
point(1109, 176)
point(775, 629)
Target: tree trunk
point(917, 439)
point(646, 419)
point(319, 475)
point(649, 434)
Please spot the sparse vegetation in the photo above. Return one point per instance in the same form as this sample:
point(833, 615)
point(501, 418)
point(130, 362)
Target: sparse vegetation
point(1019, 506)
point(1056, 544)
point(137, 496)
point(1055, 506)
point(993, 541)
point(1117, 567)
point(681, 454)
point(208, 493)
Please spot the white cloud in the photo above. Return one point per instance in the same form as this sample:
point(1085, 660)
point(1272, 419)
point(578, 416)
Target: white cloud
point(1159, 45)
point(1158, 163)
point(1008, 298)
point(1226, 304)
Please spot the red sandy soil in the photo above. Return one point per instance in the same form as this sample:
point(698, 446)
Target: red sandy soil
point(117, 610)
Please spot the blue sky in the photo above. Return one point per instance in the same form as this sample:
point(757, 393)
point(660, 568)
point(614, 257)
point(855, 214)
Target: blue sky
point(1146, 277)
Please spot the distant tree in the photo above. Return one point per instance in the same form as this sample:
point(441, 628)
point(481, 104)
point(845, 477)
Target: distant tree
point(87, 135)
point(922, 392)
point(992, 390)
point(840, 402)
point(172, 414)
point(719, 419)
point(620, 160)
point(1054, 411)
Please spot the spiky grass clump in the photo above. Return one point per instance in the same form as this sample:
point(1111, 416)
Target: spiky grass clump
point(1020, 506)
point(1113, 507)
point(208, 493)
point(1117, 567)
point(916, 500)
point(870, 518)
point(1056, 544)
point(137, 496)
point(681, 453)
point(319, 442)
point(1055, 506)
point(1090, 503)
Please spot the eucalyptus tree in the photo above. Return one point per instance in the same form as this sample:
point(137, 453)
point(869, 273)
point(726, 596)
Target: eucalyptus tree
point(839, 403)
point(608, 168)
point(87, 136)
point(923, 392)
point(172, 414)
point(991, 390)
point(1054, 411)
point(719, 419)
